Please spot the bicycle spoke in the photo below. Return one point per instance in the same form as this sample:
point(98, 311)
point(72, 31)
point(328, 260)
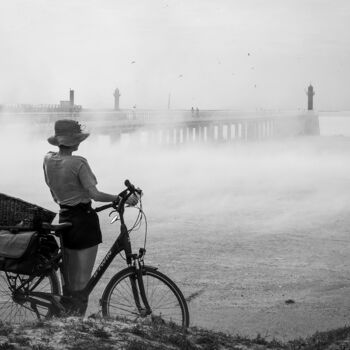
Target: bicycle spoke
point(151, 297)
point(136, 313)
point(116, 305)
point(4, 288)
point(165, 306)
point(161, 299)
point(124, 298)
point(3, 308)
point(128, 292)
point(17, 310)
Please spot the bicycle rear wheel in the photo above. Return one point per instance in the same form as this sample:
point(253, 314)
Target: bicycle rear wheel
point(14, 289)
point(165, 299)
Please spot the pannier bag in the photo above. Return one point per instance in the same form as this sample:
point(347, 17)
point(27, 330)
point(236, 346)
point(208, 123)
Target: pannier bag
point(26, 252)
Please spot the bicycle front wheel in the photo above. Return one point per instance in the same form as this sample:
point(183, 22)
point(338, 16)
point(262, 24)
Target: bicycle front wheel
point(165, 299)
point(15, 306)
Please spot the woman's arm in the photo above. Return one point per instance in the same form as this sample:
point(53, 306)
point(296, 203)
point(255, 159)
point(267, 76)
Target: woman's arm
point(89, 182)
point(98, 196)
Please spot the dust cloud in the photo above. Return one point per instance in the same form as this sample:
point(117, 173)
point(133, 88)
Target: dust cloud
point(243, 225)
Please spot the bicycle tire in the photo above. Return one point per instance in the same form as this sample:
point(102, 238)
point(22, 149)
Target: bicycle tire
point(13, 307)
point(164, 297)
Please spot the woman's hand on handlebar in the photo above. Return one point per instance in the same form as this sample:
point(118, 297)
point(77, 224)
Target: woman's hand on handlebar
point(132, 200)
point(129, 196)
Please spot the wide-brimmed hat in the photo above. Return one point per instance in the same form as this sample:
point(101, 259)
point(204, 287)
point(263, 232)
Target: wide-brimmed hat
point(67, 133)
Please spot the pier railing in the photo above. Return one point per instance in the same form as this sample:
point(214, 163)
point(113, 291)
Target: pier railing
point(183, 126)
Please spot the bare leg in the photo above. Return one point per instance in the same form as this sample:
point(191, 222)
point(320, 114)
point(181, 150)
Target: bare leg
point(78, 265)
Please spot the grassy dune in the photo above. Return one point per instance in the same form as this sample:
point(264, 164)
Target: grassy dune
point(95, 333)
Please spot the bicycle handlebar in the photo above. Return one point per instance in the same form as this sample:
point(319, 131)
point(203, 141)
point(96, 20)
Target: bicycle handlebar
point(132, 188)
point(103, 207)
point(124, 195)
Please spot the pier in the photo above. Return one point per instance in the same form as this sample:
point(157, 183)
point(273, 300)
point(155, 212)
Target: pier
point(176, 127)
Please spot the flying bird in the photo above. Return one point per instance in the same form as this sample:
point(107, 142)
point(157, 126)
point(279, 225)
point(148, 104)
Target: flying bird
point(132, 62)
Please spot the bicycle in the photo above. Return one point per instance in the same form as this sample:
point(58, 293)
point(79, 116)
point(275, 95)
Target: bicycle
point(138, 291)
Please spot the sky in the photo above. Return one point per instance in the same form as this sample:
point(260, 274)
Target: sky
point(210, 54)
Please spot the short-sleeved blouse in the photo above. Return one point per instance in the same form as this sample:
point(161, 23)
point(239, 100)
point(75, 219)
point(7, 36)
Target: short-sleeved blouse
point(69, 178)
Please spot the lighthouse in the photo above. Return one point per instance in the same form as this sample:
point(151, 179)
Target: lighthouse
point(310, 97)
point(71, 98)
point(116, 99)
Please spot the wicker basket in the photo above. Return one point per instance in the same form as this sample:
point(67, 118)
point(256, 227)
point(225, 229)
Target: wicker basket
point(15, 212)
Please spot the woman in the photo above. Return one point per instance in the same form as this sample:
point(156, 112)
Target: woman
point(73, 186)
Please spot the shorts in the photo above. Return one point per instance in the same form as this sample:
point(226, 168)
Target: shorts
point(85, 232)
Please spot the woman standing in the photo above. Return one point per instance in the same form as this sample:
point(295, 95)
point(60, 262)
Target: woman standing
point(73, 186)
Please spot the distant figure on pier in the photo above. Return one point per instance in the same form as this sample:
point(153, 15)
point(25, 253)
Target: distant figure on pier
point(192, 112)
point(197, 112)
point(116, 99)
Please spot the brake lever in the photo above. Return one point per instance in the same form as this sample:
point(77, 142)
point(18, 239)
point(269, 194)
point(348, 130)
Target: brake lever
point(113, 211)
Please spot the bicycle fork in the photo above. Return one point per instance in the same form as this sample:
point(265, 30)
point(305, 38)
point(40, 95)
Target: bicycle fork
point(136, 279)
point(138, 290)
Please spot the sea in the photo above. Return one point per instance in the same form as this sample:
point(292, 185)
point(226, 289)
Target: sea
point(257, 234)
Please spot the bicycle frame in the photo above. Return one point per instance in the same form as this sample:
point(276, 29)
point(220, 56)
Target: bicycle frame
point(122, 243)
point(130, 293)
